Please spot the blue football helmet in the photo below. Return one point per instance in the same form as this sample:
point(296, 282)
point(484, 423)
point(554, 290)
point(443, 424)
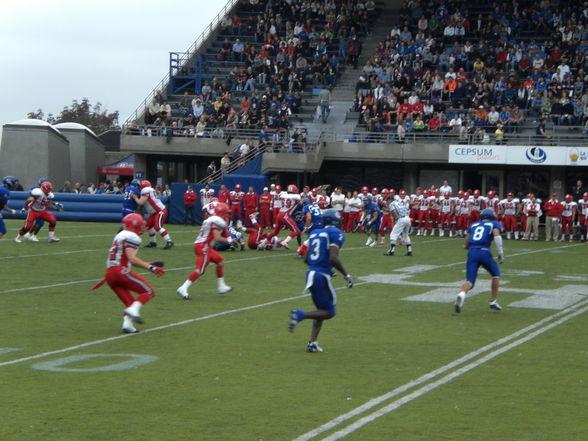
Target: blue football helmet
point(488, 214)
point(305, 202)
point(9, 182)
point(367, 199)
point(135, 183)
point(331, 218)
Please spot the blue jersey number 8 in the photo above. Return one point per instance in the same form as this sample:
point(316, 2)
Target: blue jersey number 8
point(478, 233)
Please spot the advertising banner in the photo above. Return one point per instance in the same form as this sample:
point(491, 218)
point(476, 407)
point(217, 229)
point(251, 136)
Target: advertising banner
point(518, 155)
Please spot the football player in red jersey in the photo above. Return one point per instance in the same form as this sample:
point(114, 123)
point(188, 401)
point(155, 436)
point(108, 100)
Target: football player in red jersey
point(250, 203)
point(276, 203)
point(157, 214)
point(38, 203)
point(463, 221)
point(265, 205)
point(567, 217)
point(258, 238)
point(121, 256)
point(476, 206)
point(447, 212)
point(423, 202)
point(213, 231)
point(509, 209)
point(583, 216)
point(289, 202)
point(236, 200)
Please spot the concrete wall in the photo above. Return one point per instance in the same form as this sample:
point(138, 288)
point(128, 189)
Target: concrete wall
point(86, 152)
point(177, 146)
point(33, 152)
point(386, 152)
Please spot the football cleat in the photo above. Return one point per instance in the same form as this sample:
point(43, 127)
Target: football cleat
point(313, 346)
point(52, 239)
point(17, 239)
point(373, 244)
point(494, 305)
point(129, 329)
point(295, 318)
point(133, 315)
point(408, 253)
point(31, 237)
point(183, 294)
point(168, 245)
point(224, 289)
point(389, 253)
point(151, 245)
point(459, 302)
point(284, 244)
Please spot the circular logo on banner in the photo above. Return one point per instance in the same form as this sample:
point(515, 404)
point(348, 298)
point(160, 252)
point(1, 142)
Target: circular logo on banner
point(536, 155)
point(574, 155)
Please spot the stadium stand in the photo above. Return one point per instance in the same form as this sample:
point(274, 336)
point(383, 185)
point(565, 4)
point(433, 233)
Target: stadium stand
point(480, 72)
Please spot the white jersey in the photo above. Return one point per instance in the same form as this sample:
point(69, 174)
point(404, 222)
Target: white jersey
point(208, 226)
point(401, 207)
point(493, 203)
point(424, 203)
point(276, 197)
point(582, 207)
point(355, 204)
point(154, 204)
point(476, 204)
point(509, 208)
point(42, 200)
point(533, 209)
point(434, 203)
point(338, 201)
point(117, 254)
point(568, 208)
point(289, 202)
point(206, 196)
point(446, 205)
point(209, 208)
point(464, 207)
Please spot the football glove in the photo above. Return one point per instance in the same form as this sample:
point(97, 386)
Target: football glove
point(349, 281)
point(158, 271)
point(23, 210)
point(59, 206)
point(158, 263)
point(501, 258)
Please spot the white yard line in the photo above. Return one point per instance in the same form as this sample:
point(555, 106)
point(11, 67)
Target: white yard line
point(160, 328)
point(448, 378)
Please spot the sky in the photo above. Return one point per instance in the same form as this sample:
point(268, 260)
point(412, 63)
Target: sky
point(114, 52)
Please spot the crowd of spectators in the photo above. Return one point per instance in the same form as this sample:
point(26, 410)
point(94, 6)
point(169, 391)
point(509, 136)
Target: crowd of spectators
point(478, 69)
point(107, 187)
point(273, 50)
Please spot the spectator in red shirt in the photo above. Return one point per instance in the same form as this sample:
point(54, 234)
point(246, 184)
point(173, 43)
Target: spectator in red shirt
point(434, 123)
point(189, 205)
point(223, 194)
point(553, 210)
point(250, 203)
point(417, 108)
point(265, 209)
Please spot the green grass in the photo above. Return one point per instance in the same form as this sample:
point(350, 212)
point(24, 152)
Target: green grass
point(243, 376)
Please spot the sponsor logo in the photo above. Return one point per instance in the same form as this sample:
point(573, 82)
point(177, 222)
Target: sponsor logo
point(536, 155)
point(480, 153)
point(574, 154)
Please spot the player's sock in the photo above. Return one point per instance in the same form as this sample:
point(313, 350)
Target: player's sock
point(143, 298)
point(51, 234)
point(165, 235)
point(408, 249)
point(220, 271)
point(516, 235)
point(222, 286)
point(287, 239)
point(134, 311)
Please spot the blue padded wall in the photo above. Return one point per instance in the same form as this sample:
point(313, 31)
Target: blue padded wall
point(77, 207)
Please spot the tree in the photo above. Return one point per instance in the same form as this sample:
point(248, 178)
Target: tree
point(92, 116)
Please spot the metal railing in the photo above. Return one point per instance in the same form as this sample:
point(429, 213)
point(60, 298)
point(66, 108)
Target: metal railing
point(452, 138)
point(189, 54)
point(234, 165)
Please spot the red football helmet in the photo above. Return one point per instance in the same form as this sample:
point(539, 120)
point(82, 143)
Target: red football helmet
point(278, 188)
point(144, 184)
point(466, 195)
point(402, 194)
point(569, 198)
point(586, 196)
point(490, 194)
point(476, 193)
point(238, 187)
point(447, 194)
point(375, 191)
point(221, 210)
point(47, 187)
point(364, 189)
point(393, 192)
point(510, 195)
point(460, 194)
point(134, 222)
point(314, 191)
point(213, 199)
point(385, 191)
point(437, 192)
point(292, 189)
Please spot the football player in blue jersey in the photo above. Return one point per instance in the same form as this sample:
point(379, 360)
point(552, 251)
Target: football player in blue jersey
point(372, 219)
point(238, 240)
point(8, 183)
point(129, 205)
point(478, 240)
point(322, 256)
point(312, 220)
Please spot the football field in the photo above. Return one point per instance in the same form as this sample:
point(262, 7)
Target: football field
point(399, 363)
